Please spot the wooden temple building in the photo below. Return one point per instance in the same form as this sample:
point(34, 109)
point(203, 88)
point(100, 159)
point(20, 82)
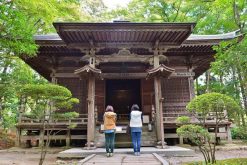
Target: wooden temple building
point(120, 64)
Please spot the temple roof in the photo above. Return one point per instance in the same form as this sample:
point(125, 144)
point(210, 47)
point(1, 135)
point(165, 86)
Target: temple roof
point(103, 34)
point(138, 38)
point(55, 38)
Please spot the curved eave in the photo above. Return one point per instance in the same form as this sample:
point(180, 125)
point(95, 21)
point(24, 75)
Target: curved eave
point(225, 36)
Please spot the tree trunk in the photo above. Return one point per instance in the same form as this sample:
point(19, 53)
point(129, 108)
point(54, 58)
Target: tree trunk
point(197, 87)
point(236, 88)
point(221, 84)
point(242, 89)
point(207, 81)
point(3, 81)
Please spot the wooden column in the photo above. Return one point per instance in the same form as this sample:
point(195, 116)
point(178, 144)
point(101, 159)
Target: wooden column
point(91, 118)
point(19, 130)
point(68, 137)
point(229, 135)
point(41, 135)
point(157, 107)
point(161, 113)
point(191, 86)
point(91, 73)
point(181, 140)
point(158, 102)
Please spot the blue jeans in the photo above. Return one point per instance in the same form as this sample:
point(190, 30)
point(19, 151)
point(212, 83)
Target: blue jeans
point(109, 142)
point(136, 141)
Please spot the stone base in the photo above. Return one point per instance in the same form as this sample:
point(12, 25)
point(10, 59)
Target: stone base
point(159, 145)
point(92, 146)
point(82, 153)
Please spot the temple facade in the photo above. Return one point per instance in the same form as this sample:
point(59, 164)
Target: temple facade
point(121, 64)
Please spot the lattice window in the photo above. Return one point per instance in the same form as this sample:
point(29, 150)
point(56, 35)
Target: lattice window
point(176, 95)
point(78, 89)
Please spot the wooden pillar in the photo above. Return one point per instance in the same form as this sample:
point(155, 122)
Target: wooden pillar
point(18, 137)
point(157, 107)
point(158, 102)
point(229, 135)
point(68, 137)
point(191, 87)
point(161, 112)
point(41, 134)
point(181, 140)
point(21, 111)
point(91, 116)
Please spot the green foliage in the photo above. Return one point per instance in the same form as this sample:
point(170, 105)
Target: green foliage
point(239, 133)
point(39, 97)
point(201, 137)
point(204, 104)
point(41, 14)
point(197, 134)
point(67, 115)
point(213, 102)
point(15, 73)
point(93, 10)
point(16, 37)
point(183, 120)
point(19, 21)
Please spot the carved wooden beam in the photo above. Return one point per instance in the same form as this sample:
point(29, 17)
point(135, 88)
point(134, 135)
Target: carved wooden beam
point(124, 55)
point(125, 75)
point(160, 71)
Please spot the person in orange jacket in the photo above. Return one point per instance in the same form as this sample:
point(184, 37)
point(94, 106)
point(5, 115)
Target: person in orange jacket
point(109, 129)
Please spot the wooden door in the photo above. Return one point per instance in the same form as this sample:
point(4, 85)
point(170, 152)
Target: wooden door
point(100, 98)
point(147, 93)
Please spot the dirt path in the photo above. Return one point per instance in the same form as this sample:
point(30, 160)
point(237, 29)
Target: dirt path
point(15, 158)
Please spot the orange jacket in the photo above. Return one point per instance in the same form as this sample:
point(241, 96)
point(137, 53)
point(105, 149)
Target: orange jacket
point(110, 120)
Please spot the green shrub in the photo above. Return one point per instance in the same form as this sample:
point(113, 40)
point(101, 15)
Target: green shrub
point(239, 133)
point(183, 120)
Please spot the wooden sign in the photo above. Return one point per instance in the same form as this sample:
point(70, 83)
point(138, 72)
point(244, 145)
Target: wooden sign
point(182, 74)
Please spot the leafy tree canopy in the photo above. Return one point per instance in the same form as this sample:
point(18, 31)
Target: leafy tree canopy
point(213, 102)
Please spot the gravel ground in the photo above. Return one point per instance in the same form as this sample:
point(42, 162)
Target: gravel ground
point(220, 155)
point(15, 158)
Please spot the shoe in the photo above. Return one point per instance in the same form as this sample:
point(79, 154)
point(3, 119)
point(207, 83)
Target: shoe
point(138, 153)
point(135, 153)
point(111, 154)
point(108, 154)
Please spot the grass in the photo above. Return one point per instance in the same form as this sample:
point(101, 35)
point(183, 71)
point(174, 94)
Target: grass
point(236, 161)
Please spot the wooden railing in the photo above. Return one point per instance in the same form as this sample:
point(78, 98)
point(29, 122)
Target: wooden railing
point(82, 119)
point(171, 117)
point(213, 116)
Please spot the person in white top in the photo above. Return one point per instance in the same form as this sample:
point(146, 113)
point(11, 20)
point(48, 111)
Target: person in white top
point(136, 128)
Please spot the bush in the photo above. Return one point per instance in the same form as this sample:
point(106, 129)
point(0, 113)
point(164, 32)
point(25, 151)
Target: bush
point(6, 140)
point(239, 133)
point(183, 120)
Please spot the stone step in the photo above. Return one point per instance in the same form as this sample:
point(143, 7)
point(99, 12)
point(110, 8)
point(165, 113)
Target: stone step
point(169, 151)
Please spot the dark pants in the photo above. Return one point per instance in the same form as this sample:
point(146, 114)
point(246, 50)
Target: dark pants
point(109, 142)
point(136, 141)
